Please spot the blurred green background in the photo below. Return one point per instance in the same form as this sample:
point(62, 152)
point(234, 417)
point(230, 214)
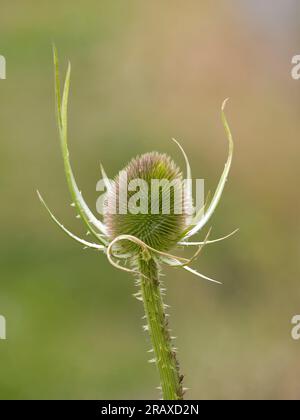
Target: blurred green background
point(143, 72)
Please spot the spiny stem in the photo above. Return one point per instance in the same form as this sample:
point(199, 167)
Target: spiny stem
point(165, 356)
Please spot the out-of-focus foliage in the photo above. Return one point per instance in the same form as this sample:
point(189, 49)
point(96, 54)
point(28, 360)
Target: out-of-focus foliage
point(144, 72)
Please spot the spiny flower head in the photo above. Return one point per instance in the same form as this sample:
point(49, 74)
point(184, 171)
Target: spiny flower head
point(121, 236)
point(160, 229)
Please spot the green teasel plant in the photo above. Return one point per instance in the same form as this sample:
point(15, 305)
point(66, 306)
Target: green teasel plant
point(141, 244)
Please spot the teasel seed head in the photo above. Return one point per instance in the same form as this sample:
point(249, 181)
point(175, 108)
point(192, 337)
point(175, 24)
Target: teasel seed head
point(151, 234)
point(162, 215)
point(149, 231)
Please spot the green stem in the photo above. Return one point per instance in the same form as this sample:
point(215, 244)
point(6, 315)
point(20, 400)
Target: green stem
point(165, 356)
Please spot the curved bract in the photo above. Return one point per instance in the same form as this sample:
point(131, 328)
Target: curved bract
point(139, 242)
point(161, 232)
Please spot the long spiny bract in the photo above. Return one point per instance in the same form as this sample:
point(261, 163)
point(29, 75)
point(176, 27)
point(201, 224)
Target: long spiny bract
point(140, 243)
